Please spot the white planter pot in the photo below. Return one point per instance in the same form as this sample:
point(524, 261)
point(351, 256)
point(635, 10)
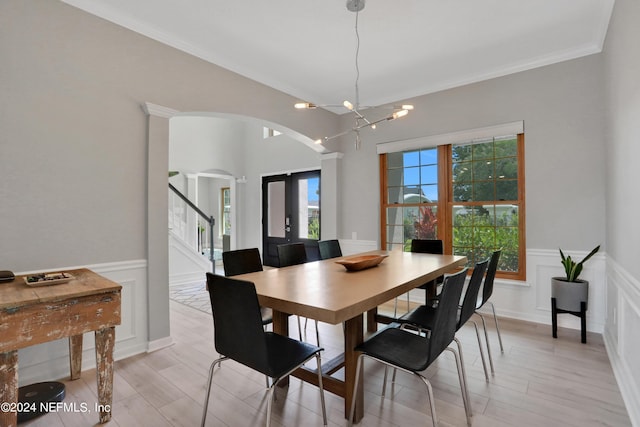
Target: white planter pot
point(568, 295)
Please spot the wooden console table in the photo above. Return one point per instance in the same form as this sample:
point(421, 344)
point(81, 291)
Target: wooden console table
point(34, 315)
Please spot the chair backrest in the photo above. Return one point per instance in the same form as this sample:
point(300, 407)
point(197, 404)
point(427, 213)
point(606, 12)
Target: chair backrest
point(446, 315)
point(237, 321)
point(241, 261)
point(329, 249)
point(471, 295)
point(487, 288)
point(291, 254)
point(427, 246)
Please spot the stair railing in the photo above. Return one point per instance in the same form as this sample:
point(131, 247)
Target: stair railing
point(202, 242)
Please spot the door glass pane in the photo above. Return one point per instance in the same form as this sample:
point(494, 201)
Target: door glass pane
point(309, 208)
point(276, 209)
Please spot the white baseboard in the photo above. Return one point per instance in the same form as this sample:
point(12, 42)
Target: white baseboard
point(628, 389)
point(621, 335)
point(156, 345)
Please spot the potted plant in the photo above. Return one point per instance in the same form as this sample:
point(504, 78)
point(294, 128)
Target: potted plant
point(569, 291)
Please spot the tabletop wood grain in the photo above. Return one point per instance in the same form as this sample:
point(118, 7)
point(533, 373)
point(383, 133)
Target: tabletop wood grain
point(333, 295)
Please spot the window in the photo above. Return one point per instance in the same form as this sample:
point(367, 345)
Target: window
point(412, 197)
point(469, 194)
point(225, 210)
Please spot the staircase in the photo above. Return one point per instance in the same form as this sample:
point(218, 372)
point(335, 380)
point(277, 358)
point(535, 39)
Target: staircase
point(190, 241)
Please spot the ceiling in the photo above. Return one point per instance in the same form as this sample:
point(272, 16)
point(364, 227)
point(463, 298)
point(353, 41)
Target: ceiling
point(307, 48)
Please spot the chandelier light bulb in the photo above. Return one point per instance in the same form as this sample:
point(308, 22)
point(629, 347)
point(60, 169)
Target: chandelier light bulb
point(348, 105)
point(304, 105)
point(398, 114)
point(407, 106)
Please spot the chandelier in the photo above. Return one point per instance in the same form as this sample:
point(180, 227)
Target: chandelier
point(361, 121)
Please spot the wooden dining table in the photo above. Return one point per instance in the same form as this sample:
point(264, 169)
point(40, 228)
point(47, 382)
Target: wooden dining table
point(327, 292)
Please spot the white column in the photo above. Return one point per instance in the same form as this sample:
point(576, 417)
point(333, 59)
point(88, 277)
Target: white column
point(157, 221)
point(330, 195)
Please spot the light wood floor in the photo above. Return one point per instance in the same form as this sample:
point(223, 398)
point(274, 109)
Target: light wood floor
point(538, 381)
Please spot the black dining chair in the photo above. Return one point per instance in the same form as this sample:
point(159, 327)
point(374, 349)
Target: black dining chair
point(294, 254)
point(329, 249)
point(424, 246)
point(487, 291)
point(291, 254)
point(239, 336)
point(413, 353)
point(423, 317)
point(429, 246)
point(242, 261)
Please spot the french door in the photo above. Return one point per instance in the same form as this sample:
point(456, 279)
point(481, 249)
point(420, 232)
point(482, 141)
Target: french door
point(290, 213)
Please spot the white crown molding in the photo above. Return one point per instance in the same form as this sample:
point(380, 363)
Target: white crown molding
point(158, 110)
point(463, 136)
point(330, 156)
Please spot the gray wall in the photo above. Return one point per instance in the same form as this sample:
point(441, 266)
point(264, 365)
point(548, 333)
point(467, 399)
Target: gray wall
point(622, 68)
point(562, 108)
point(73, 146)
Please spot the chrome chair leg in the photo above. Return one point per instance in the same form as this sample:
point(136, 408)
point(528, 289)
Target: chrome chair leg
point(270, 396)
point(275, 381)
point(486, 338)
point(209, 382)
point(384, 381)
point(299, 328)
point(465, 391)
point(395, 306)
point(463, 386)
point(495, 319)
point(461, 378)
point(360, 368)
point(484, 362)
point(432, 402)
point(324, 409)
point(317, 334)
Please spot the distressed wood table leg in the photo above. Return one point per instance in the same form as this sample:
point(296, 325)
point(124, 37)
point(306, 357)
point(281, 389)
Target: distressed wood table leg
point(75, 356)
point(8, 388)
point(105, 340)
point(353, 336)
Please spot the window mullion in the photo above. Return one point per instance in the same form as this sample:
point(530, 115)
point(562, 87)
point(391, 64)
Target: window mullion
point(445, 189)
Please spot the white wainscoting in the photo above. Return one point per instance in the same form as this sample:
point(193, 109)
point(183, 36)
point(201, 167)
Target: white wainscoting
point(50, 361)
point(350, 247)
point(530, 300)
point(621, 334)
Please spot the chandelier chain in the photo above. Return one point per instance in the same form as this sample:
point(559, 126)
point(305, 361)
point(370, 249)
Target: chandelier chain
point(357, 65)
